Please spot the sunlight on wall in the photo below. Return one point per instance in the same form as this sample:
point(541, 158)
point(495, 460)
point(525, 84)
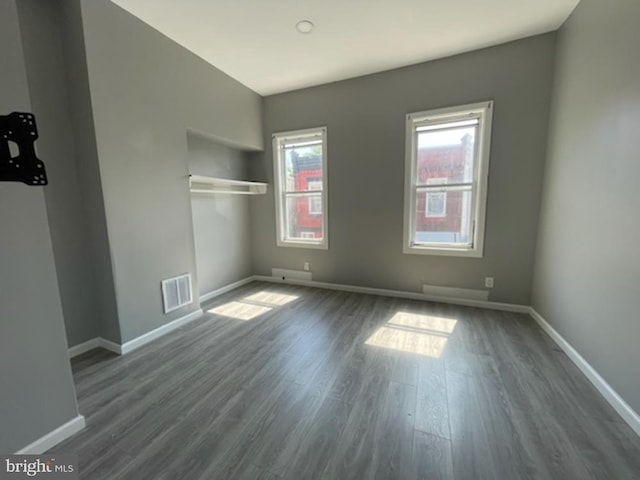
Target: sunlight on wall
point(414, 333)
point(271, 298)
point(240, 311)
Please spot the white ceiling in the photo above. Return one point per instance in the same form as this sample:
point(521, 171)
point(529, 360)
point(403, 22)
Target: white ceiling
point(255, 41)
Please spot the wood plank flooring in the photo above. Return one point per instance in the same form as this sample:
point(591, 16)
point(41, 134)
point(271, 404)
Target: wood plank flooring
point(281, 382)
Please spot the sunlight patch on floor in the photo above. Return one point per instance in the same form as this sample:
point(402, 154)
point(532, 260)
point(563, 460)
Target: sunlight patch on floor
point(271, 298)
point(240, 311)
point(414, 333)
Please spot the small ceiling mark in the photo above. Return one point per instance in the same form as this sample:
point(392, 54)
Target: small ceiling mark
point(304, 26)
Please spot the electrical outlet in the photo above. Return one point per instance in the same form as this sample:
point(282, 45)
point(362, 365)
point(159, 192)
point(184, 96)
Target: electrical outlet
point(488, 282)
point(306, 266)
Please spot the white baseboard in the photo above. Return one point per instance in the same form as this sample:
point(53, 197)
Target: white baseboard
point(97, 342)
point(100, 342)
point(227, 288)
point(84, 347)
point(616, 401)
point(111, 346)
point(509, 307)
point(138, 342)
point(54, 437)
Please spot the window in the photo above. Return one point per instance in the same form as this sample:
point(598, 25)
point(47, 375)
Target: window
point(446, 171)
point(300, 173)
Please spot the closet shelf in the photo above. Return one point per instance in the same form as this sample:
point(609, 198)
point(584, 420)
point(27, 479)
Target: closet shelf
point(211, 185)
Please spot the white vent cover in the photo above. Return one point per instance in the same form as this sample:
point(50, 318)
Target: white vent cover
point(176, 292)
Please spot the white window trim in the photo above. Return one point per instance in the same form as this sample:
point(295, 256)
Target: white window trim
point(279, 191)
point(484, 111)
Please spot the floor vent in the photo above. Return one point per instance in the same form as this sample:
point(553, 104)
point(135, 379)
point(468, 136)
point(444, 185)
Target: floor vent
point(176, 292)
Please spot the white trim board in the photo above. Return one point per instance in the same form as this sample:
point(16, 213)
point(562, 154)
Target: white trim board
point(508, 307)
point(54, 437)
point(131, 345)
point(136, 342)
point(97, 342)
point(111, 346)
point(84, 347)
point(145, 338)
point(227, 288)
point(616, 401)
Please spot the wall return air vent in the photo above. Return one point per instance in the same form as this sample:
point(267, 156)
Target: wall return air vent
point(176, 292)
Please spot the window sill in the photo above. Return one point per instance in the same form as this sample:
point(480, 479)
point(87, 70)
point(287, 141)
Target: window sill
point(444, 252)
point(315, 246)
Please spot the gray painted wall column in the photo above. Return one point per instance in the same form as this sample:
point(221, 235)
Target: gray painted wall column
point(37, 389)
point(88, 169)
point(587, 275)
point(44, 57)
point(146, 91)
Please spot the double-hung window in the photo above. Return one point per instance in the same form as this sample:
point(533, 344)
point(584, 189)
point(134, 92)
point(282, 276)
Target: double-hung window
point(300, 179)
point(446, 173)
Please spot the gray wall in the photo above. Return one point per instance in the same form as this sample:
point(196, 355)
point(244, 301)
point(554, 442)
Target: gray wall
point(221, 223)
point(43, 51)
point(587, 275)
point(88, 170)
point(145, 92)
point(37, 390)
point(366, 121)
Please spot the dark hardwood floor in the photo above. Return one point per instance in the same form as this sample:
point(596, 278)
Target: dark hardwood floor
point(283, 382)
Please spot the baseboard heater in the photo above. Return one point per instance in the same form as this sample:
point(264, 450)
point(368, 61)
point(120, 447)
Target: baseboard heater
point(453, 292)
point(284, 274)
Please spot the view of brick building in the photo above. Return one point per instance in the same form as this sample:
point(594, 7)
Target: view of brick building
point(441, 215)
point(306, 221)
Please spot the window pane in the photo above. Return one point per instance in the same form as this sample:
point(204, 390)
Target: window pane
point(443, 217)
point(303, 168)
point(436, 204)
point(315, 205)
point(304, 217)
point(446, 154)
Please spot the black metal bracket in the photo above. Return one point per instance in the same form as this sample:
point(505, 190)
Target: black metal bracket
point(22, 165)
